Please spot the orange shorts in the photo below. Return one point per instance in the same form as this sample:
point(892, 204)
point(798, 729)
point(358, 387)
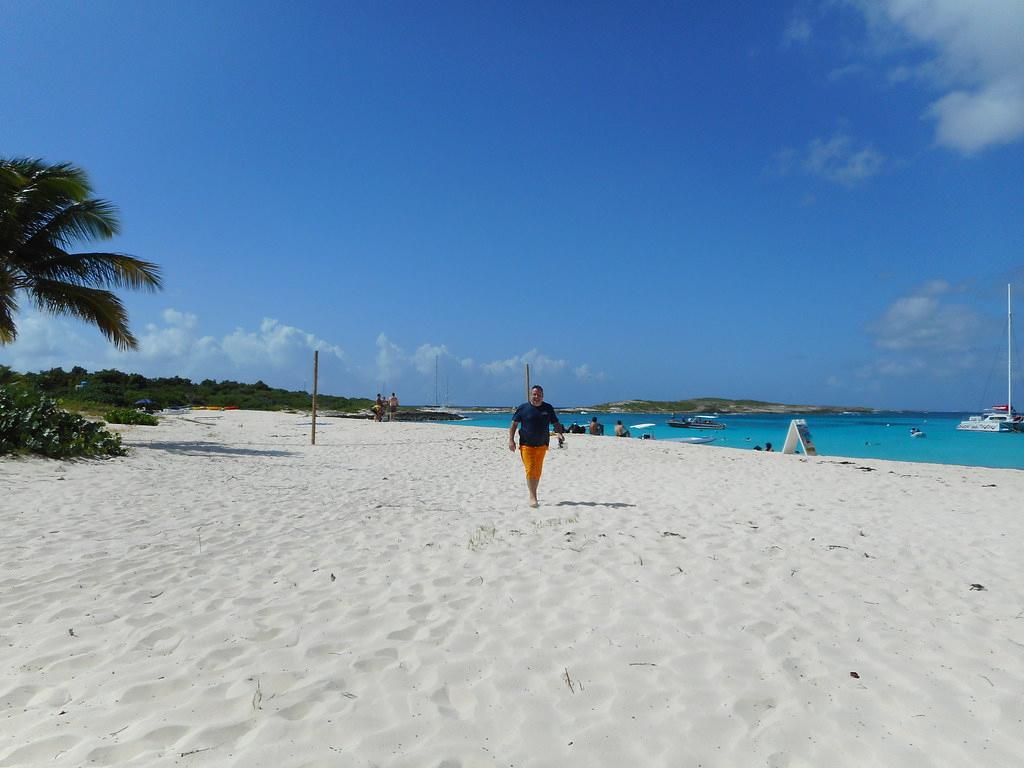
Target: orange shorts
point(533, 459)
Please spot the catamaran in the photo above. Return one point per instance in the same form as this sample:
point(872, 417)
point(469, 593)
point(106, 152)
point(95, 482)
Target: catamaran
point(1000, 418)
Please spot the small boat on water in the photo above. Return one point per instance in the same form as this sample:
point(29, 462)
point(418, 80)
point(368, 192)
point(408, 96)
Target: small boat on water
point(915, 432)
point(999, 418)
point(702, 440)
point(695, 422)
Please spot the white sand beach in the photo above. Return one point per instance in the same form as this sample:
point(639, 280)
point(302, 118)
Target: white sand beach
point(229, 595)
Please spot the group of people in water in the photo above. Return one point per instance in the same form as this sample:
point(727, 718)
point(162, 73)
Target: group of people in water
point(385, 407)
point(596, 428)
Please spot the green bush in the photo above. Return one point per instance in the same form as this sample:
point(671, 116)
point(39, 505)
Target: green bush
point(130, 416)
point(31, 422)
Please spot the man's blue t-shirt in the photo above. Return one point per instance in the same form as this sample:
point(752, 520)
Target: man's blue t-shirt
point(533, 423)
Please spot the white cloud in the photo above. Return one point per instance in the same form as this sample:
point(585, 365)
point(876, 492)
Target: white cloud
point(43, 342)
point(274, 344)
point(925, 332)
point(975, 59)
point(173, 347)
point(390, 359)
point(838, 159)
point(972, 121)
point(181, 319)
point(798, 30)
point(427, 356)
point(925, 322)
point(172, 341)
point(279, 354)
point(539, 364)
point(584, 373)
point(839, 73)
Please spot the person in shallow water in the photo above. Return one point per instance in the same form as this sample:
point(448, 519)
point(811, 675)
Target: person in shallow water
point(532, 420)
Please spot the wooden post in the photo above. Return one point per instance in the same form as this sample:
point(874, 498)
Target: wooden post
point(527, 382)
point(316, 364)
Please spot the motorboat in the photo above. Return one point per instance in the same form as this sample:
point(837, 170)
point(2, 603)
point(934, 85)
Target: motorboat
point(915, 432)
point(702, 440)
point(999, 418)
point(695, 422)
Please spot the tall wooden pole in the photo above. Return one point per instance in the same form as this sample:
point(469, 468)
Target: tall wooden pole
point(527, 382)
point(316, 365)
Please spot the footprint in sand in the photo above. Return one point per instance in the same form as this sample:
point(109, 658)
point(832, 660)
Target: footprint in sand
point(408, 633)
point(382, 660)
point(16, 698)
point(158, 689)
point(220, 735)
point(116, 754)
point(40, 752)
point(73, 664)
point(442, 630)
point(753, 711)
point(761, 628)
point(34, 696)
point(162, 641)
point(454, 701)
point(420, 612)
point(219, 657)
point(297, 711)
point(166, 735)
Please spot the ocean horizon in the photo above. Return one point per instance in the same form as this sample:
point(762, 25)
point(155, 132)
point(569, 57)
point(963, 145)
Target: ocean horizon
point(874, 435)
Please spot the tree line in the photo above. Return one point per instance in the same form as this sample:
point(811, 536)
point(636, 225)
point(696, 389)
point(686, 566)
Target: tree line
point(113, 387)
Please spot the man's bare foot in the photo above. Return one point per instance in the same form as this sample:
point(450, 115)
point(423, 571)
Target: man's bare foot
point(534, 503)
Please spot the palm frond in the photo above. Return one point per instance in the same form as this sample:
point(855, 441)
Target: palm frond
point(109, 270)
point(44, 211)
point(8, 306)
point(86, 220)
point(94, 305)
point(73, 181)
point(32, 194)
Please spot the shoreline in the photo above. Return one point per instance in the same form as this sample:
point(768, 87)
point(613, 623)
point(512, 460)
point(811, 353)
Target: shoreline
point(230, 594)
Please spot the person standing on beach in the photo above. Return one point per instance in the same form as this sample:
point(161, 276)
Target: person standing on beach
point(378, 409)
point(532, 420)
point(392, 407)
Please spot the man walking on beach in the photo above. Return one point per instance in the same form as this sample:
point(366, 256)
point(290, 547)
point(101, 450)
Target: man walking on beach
point(393, 406)
point(532, 419)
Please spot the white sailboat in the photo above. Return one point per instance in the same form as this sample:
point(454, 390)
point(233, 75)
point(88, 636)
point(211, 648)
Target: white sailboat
point(1000, 418)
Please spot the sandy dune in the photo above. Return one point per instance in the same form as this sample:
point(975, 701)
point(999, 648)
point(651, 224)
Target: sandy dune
point(229, 595)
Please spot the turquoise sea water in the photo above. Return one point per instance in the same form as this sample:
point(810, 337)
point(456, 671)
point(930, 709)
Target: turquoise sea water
point(871, 436)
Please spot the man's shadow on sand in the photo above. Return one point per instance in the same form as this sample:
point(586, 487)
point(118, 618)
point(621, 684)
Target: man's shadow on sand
point(201, 448)
point(610, 504)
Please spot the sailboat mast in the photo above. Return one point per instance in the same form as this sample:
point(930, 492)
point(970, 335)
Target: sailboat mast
point(1009, 355)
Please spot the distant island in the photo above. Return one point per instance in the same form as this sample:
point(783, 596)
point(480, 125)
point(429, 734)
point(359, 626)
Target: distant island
point(79, 389)
point(718, 405)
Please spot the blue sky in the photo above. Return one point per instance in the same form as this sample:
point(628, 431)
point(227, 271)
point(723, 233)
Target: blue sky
point(811, 202)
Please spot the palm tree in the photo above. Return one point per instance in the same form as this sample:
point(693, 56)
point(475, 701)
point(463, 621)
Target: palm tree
point(44, 211)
